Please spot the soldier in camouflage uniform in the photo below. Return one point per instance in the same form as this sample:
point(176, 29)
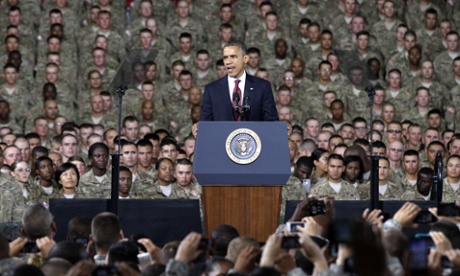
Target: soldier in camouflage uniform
point(335, 186)
point(162, 188)
point(202, 71)
point(387, 190)
point(44, 185)
point(293, 190)
point(443, 61)
point(96, 183)
point(385, 29)
point(400, 97)
point(450, 184)
point(145, 161)
point(411, 164)
point(423, 186)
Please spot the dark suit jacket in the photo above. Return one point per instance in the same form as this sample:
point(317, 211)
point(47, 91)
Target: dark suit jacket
point(217, 105)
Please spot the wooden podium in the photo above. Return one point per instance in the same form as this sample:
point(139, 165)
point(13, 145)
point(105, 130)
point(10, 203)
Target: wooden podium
point(246, 196)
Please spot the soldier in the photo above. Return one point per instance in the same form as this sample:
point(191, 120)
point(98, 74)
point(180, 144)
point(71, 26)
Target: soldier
point(387, 190)
point(395, 94)
point(44, 184)
point(384, 30)
point(6, 120)
point(311, 128)
point(424, 182)
point(126, 182)
point(96, 183)
point(145, 161)
point(414, 135)
point(450, 185)
point(443, 61)
point(162, 187)
point(429, 35)
point(202, 70)
point(185, 185)
point(410, 164)
point(334, 186)
point(418, 113)
point(129, 158)
point(400, 60)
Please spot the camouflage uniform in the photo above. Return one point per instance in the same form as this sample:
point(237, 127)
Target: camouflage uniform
point(92, 188)
point(413, 195)
point(154, 192)
point(293, 190)
point(193, 27)
point(443, 66)
point(204, 80)
point(355, 104)
point(406, 186)
point(323, 190)
point(385, 37)
point(448, 193)
point(439, 92)
point(401, 101)
point(194, 192)
point(141, 183)
point(13, 203)
point(275, 70)
point(415, 14)
point(37, 192)
point(393, 192)
point(431, 43)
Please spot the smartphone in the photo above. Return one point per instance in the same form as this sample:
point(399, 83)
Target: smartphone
point(30, 247)
point(83, 241)
point(424, 217)
point(316, 207)
point(145, 259)
point(320, 241)
point(449, 210)
point(207, 244)
point(290, 242)
point(292, 226)
point(418, 256)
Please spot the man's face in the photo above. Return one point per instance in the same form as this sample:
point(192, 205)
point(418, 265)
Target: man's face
point(388, 9)
point(225, 14)
point(97, 104)
point(379, 97)
point(415, 134)
point(85, 133)
point(4, 110)
point(395, 151)
point(280, 49)
point(362, 42)
point(335, 169)
point(456, 68)
point(151, 24)
point(430, 136)
point(183, 9)
point(183, 174)
point(357, 24)
point(427, 70)
point(147, 110)
point(334, 142)
point(452, 43)
point(284, 97)
point(356, 77)
point(129, 156)
point(169, 151)
point(312, 128)
point(46, 170)
point(189, 146)
point(337, 110)
point(185, 44)
point(144, 156)
point(131, 130)
point(186, 82)
point(176, 71)
point(350, 6)
point(147, 91)
point(347, 132)
point(11, 155)
point(254, 60)
point(430, 21)
point(24, 148)
point(325, 72)
point(12, 44)
point(109, 136)
point(384, 170)
point(313, 33)
point(432, 151)
point(99, 57)
point(423, 98)
point(434, 120)
point(10, 75)
point(323, 140)
point(54, 45)
point(155, 148)
point(454, 147)
point(394, 81)
point(234, 61)
point(51, 109)
point(166, 171)
point(104, 21)
point(57, 159)
point(146, 9)
point(15, 18)
point(415, 56)
point(394, 132)
point(126, 182)
point(271, 22)
point(95, 80)
point(146, 39)
point(303, 30)
point(297, 67)
point(33, 142)
point(326, 41)
point(202, 62)
point(99, 158)
point(41, 128)
point(302, 172)
point(360, 130)
point(424, 183)
point(69, 146)
point(379, 151)
point(411, 164)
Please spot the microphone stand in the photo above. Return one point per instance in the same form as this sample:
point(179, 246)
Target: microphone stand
point(113, 203)
point(374, 196)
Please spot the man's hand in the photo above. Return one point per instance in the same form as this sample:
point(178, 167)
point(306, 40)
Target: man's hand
point(454, 257)
point(155, 251)
point(441, 242)
point(245, 262)
point(374, 217)
point(312, 251)
point(271, 250)
point(406, 215)
point(188, 248)
point(45, 244)
point(16, 246)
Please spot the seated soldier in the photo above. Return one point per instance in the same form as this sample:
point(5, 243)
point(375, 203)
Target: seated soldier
point(185, 185)
point(387, 190)
point(162, 187)
point(334, 186)
point(125, 183)
point(424, 182)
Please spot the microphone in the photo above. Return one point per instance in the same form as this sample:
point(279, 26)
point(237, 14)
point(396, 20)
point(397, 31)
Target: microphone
point(246, 106)
point(236, 100)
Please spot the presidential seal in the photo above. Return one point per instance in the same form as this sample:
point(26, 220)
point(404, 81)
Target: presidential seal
point(243, 146)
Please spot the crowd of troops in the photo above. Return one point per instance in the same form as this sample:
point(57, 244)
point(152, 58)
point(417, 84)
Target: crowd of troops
point(331, 63)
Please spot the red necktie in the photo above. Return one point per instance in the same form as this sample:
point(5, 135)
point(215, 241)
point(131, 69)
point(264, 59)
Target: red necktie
point(238, 91)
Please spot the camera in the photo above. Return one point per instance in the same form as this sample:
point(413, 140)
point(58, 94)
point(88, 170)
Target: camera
point(207, 244)
point(425, 216)
point(290, 242)
point(316, 207)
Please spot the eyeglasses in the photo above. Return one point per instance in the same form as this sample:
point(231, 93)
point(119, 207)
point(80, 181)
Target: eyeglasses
point(398, 150)
point(23, 170)
point(394, 131)
point(289, 78)
point(324, 70)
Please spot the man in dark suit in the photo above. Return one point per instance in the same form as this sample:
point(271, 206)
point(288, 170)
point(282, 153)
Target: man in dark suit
point(238, 89)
